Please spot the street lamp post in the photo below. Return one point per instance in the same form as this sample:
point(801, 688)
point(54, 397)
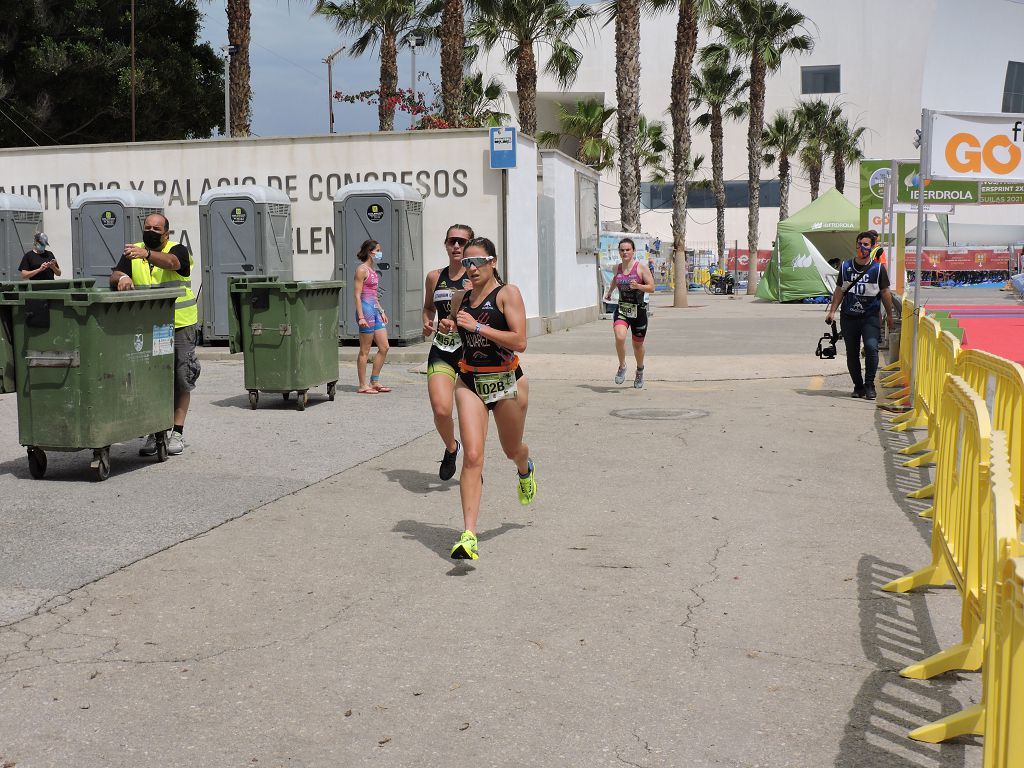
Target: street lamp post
point(415, 42)
point(329, 61)
point(133, 69)
point(227, 50)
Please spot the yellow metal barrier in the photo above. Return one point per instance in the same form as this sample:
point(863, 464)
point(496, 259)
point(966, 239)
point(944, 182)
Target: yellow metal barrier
point(927, 339)
point(1002, 544)
point(947, 352)
point(901, 368)
point(962, 523)
point(1004, 736)
point(1000, 383)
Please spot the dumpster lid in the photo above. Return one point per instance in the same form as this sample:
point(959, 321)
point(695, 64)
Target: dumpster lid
point(390, 188)
point(129, 198)
point(254, 192)
point(248, 284)
point(19, 203)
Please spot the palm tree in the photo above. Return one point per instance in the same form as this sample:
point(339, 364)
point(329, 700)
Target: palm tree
point(843, 142)
point(691, 14)
point(764, 31)
point(626, 14)
point(385, 23)
point(815, 118)
point(652, 144)
point(522, 25)
point(586, 124)
point(239, 15)
point(453, 44)
point(782, 140)
point(720, 86)
point(480, 100)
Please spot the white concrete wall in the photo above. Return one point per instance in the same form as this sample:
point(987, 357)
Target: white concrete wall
point(575, 274)
point(889, 70)
point(450, 168)
point(522, 225)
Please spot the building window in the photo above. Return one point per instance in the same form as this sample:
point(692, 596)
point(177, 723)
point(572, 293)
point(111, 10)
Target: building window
point(1013, 90)
point(819, 79)
point(659, 196)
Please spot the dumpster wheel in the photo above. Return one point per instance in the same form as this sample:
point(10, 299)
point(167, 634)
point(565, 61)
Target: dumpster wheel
point(332, 387)
point(254, 398)
point(37, 463)
point(286, 395)
point(101, 462)
point(301, 398)
point(161, 446)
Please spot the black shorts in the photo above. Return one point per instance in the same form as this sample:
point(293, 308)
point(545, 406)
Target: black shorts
point(467, 379)
point(637, 325)
point(439, 361)
point(186, 364)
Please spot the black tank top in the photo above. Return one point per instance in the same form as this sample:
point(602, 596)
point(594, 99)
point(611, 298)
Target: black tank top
point(445, 290)
point(477, 351)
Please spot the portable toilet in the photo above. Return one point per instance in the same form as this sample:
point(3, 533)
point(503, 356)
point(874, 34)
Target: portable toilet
point(20, 218)
point(244, 230)
point(102, 221)
point(391, 214)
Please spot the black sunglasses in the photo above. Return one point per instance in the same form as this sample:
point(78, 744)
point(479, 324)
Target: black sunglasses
point(456, 241)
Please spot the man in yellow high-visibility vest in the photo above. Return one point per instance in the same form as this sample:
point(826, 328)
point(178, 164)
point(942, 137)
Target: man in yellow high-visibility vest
point(158, 260)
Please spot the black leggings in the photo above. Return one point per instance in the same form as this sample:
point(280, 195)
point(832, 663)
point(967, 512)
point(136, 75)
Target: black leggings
point(867, 328)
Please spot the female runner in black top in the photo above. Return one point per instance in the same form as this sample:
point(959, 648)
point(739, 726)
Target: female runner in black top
point(442, 288)
point(492, 325)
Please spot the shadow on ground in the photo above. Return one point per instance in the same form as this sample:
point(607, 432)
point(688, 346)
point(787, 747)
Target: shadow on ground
point(440, 538)
point(896, 630)
point(415, 481)
point(73, 466)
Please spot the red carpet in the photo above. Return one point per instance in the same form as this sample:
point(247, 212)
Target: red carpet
point(1003, 336)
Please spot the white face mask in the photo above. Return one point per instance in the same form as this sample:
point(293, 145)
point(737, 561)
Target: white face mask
point(378, 255)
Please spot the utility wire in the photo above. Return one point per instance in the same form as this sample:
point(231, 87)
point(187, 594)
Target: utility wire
point(16, 125)
point(27, 120)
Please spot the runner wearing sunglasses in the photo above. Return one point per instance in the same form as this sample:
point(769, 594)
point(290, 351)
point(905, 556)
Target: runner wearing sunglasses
point(491, 323)
point(443, 286)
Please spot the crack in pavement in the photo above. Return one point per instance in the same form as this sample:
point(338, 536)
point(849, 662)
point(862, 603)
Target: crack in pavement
point(643, 742)
point(701, 600)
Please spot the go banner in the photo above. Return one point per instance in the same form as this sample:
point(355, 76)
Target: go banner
point(971, 146)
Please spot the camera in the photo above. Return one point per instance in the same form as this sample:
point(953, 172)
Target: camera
point(827, 344)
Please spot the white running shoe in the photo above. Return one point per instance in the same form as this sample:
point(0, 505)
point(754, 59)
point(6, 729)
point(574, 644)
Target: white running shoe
point(620, 375)
point(175, 443)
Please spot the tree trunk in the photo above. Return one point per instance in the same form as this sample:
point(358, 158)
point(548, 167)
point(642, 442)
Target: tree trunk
point(814, 177)
point(388, 81)
point(718, 172)
point(682, 74)
point(627, 93)
point(526, 86)
point(239, 15)
point(453, 43)
point(783, 187)
point(754, 133)
point(840, 174)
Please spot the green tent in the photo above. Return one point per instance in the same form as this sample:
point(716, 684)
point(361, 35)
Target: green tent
point(805, 243)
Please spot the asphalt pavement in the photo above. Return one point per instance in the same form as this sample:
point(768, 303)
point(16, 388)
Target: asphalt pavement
point(696, 583)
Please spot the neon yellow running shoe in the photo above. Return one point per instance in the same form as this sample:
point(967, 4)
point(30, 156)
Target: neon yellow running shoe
point(465, 548)
point(527, 485)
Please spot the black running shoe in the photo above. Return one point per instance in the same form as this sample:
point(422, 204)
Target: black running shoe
point(869, 392)
point(857, 392)
point(448, 463)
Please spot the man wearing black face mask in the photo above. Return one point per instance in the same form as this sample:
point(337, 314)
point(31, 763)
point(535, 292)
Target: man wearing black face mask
point(39, 263)
point(158, 260)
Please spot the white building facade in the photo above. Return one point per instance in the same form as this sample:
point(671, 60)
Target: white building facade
point(882, 60)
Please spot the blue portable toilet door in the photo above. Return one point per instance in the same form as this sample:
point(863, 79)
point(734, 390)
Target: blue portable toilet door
point(371, 217)
point(233, 229)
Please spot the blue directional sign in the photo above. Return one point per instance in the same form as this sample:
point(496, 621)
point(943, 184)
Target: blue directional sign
point(503, 148)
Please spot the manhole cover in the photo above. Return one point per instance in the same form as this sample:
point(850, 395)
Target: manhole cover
point(655, 414)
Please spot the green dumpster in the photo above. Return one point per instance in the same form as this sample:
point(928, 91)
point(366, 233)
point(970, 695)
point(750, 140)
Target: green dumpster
point(287, 332)
point(91, 367)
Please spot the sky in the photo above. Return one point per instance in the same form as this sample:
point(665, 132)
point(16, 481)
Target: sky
point(289, 77)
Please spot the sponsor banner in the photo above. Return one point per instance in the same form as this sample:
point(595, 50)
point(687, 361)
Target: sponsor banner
point(937, 192)
point(978, 147)
point(764, 255)
point(1001, 194)
point(959, 259)
point(873, 174)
